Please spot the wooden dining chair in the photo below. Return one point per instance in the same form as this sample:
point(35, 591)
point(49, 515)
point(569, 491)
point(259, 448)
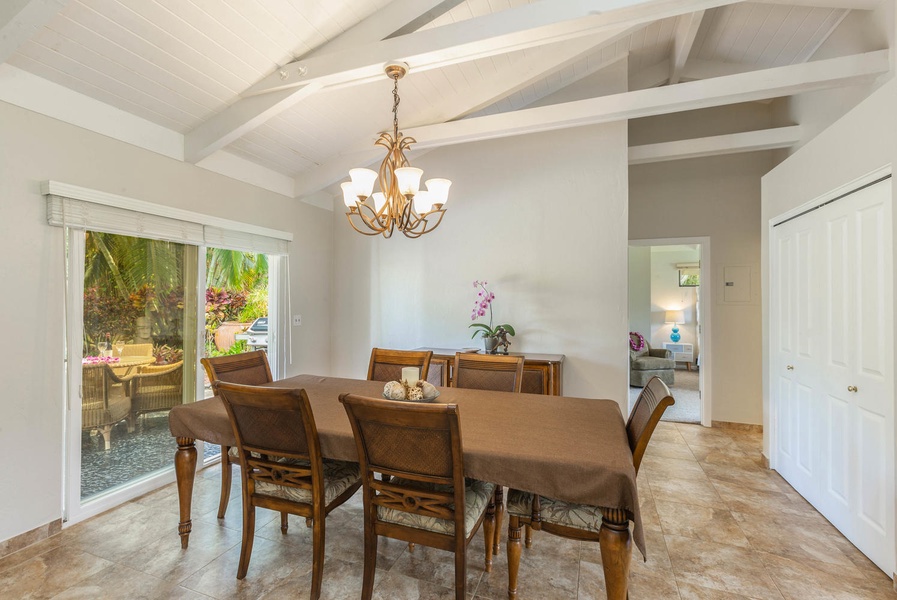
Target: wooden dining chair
point(495, 372)
point(386, 365)
point(249, 368)
point(498, 373)
point(581, 521)
point(281, 464)
point(427, 499)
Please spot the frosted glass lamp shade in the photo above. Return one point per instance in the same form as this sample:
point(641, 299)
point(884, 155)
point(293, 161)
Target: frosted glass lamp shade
point(408, 179)
point(423, 202)
point(363, 180)
point(379, 200)
point(675, 316)
point(438, 190)
point(349, 195)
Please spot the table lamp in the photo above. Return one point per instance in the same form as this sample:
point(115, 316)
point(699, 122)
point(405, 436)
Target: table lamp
point(676, 317)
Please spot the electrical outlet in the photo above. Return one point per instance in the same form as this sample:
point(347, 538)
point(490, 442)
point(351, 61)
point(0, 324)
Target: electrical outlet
point(297, 320)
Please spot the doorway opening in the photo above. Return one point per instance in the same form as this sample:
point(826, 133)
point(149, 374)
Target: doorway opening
point(669, 320)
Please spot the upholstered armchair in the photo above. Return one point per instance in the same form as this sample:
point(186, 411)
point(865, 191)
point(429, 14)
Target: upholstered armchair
point(649, 362)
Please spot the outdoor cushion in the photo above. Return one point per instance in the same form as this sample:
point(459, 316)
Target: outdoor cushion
point(568, 514)
point(338, 477)
point(476, 497)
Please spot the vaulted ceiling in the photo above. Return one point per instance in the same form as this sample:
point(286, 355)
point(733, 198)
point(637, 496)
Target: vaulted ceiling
point(297, 87)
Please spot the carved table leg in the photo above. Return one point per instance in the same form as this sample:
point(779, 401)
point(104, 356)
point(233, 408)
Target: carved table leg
point(185, 471)
point(528, 540)
point(499, 516)
point(513, 555)
point(616, 552)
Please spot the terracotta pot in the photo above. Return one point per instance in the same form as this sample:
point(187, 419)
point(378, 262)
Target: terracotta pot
point(224, 335)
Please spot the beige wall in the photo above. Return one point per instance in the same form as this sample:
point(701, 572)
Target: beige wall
point(640, 289)
point(34, 148)
point(717, 197)
point(862, 141)
point(543, 218)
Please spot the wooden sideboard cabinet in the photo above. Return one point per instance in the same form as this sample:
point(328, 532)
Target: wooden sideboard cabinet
point(542, 373)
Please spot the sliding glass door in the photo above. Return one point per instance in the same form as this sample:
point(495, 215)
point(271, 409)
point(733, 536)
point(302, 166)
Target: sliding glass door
point(132, 353)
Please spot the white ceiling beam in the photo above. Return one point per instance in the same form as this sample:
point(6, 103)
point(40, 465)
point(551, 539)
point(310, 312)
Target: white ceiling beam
point(237, 120)
point(246, 114)
point(20, 20)
point(698, 68)
point(732, 143)
point(683, 39)
point(517, 28)
point(513, 29)
point(364, 153)
point(851, 4)
point(746, 87)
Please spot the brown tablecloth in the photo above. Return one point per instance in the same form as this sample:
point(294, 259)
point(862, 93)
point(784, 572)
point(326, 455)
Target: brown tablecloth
point(573, 449)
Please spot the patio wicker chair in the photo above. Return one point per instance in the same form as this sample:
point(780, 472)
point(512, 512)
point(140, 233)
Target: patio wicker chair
point(155, 388)
point(137, 350)
point(104, 400)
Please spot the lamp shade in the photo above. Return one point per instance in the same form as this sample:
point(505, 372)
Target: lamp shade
point(675, 316)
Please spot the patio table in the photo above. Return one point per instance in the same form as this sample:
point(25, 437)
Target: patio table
point(573, 449)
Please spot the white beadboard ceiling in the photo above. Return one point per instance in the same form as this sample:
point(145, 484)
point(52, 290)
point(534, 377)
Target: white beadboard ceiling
point(181, 63)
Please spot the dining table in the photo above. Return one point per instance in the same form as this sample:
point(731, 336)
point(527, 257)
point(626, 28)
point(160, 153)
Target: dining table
point(571, 449)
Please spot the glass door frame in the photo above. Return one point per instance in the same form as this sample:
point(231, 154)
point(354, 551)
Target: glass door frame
point(74, 509)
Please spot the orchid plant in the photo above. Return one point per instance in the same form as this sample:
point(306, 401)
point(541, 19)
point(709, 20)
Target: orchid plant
point(481, 305)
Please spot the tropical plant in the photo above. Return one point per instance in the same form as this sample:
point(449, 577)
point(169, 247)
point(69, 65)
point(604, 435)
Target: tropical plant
point(129, 277)
point(238, 347)
point(256, 305)
point(483, 302)
point(235, 270)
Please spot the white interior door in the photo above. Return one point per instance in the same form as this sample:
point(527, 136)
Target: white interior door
point(832, 332)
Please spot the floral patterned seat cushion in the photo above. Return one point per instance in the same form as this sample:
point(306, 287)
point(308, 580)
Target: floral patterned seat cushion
point(577, 516)
point(477, 495)
point(338, 477)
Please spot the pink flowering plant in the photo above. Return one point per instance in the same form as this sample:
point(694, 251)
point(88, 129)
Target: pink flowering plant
point(481, 305)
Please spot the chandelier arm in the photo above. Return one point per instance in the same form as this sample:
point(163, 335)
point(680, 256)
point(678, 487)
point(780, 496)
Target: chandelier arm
point(349, 216)
point(417, 230)
point(375, 221)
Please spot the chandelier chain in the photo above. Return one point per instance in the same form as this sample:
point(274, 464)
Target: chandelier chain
point(395, 107)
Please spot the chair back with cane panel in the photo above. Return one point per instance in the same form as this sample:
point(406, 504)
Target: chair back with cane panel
point(488, 372)
point(248, 368)
point(386, 365)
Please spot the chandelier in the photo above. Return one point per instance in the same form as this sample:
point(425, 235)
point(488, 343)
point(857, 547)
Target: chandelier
point(400, 203)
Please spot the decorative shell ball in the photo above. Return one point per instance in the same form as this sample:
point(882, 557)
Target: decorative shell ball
point(415, 393)
point(428, 389)
point(394, 390)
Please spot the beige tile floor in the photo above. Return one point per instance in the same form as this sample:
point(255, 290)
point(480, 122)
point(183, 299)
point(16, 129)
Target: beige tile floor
point(719, 527)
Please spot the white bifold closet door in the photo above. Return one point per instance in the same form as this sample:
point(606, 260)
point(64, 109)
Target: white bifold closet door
point(832, 334)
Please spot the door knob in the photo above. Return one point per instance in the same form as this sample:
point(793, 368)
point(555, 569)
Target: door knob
point(790, 367)
point(851, 388)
